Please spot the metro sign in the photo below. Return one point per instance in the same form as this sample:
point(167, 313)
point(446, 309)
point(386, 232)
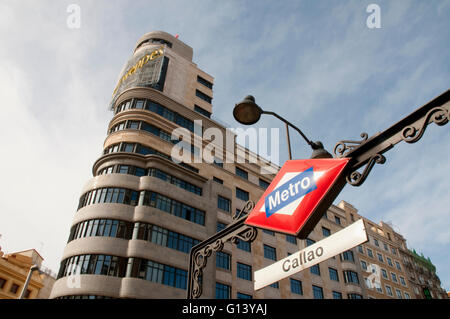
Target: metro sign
point(299, 195)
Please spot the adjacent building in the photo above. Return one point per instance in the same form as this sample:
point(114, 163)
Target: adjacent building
point(143, 210)
point(14, 269)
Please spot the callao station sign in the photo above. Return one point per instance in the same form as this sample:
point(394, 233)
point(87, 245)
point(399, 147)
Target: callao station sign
point(299, 195)
point(293, 203)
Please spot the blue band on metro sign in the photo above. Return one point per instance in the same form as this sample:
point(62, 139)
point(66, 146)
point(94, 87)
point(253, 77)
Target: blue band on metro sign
point(287, 193)
point(295, 193)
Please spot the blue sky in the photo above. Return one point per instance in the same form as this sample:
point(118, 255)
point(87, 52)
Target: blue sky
point(314, 62)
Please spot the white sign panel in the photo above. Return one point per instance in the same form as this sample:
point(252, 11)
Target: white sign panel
point(343, 240)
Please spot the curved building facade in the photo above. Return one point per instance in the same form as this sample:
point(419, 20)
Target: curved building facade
point(143, 210)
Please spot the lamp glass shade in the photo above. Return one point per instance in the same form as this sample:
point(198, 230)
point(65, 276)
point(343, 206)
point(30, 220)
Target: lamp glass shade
point(247, 112)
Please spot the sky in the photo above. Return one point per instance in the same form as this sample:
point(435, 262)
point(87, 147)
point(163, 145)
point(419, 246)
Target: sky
point(316, 63)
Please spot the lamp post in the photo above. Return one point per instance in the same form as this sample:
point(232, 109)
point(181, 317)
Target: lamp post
point(247, 112)
point(364, 153)
point(27, 281)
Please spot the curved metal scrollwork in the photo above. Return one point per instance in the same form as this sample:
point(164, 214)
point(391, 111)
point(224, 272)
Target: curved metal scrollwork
point(234, 232)
point(438, 115)
point(356, 178)
point(341, 149)
point(248, 207)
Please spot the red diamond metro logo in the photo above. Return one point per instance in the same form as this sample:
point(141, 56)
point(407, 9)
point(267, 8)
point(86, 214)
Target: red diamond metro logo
point(300, 191)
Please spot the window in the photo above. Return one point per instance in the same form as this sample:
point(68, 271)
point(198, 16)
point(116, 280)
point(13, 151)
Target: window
point(361, 249)
point(315, 270)
point(348, 256)
point(309, 242)
point(407, 296)
point(402, 281)
point(397, 264)
point(243, 296)
point(268, 232)
point(224, 204)
point(351, 277)
point(244, 245)
point(385, 247)
point(203, 96)
point(222, 291)
point(337, 220)
point(217, 180)
point(317, 292)
point(2, 283)
point(363, 265)
point(333, 274)
point(14, 288)
point(394, 251)
point(244, 271)
point(270, 252)
point(275, 285)
point(394, 277)
point(384, 273)
point(220, 226)
point(223, 260)
point(337, 295)
point(326, 232)
point(27, 294)
point(204, 82)
point(389, 261)
point(241, 173)
point(296, 286)
point(380, 257)
point(399, 293)
point(354, 296)
point(291, 239)
point(241, 194)
point(369, 252)
point(263, 183)
point(202, 111)
point(388, 290)
point(376, 242)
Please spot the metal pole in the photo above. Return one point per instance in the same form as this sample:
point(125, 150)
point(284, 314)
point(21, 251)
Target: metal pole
point(288, 141)
point(27, 281)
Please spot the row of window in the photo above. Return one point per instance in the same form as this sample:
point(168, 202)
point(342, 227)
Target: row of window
point(173, 207)
point(109, 195)
point(125, 230)
point(84, 297)
point(101, 228)
point(143, 150)
point(120, 267)
point(14, 288)
point(384, 273)
point(388, 290)
point(385, 245)
point(337, 219)
point(154, 172)
point(380, 257)
point(143, 126)
point(147, 198)
point(223, 291)
point(149, 105)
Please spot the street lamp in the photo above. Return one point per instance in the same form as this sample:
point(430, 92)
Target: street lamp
point(248, 112)
point(27, 281)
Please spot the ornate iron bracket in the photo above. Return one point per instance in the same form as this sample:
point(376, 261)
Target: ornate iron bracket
point(438, 115)
point(410, 129)
point(341, 148)
point(356, 178)
point(200, 253)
